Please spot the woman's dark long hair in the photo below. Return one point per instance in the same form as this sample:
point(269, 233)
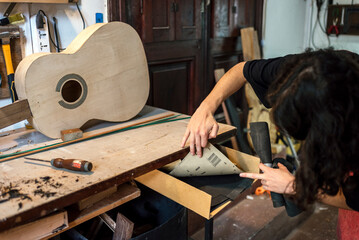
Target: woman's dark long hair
point(315, 98)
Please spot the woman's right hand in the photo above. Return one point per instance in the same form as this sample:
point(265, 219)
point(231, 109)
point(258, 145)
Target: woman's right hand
point(201, 127)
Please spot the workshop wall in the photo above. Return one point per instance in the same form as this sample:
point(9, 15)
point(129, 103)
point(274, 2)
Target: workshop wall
point(290, 27)
point(68, 18)
point(69, 25)
point(317, 38)
point(283, 29)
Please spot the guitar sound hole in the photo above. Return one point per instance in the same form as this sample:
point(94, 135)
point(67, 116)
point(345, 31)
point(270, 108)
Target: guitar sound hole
point(71, 91)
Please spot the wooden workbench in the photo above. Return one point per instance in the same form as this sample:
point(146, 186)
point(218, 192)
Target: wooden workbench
point(117, 158)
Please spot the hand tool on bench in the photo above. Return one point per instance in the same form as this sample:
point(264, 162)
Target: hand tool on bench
point(5, 39)
point(261, 142)
point(71, 164)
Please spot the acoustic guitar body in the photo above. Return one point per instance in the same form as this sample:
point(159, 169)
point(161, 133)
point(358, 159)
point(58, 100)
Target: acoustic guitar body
point(103, 74)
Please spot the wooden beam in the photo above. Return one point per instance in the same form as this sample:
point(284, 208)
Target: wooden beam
point(87, 202)
point(41, 228)
point(124, 228)
point(108, 221)
point(14, 113)
point(125, 193)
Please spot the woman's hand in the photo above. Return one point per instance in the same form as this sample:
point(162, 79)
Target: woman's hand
point(200, 128)
point(275, 180)
point(202, 125)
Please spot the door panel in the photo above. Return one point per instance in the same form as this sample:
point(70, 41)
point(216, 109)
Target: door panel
point(188, 19)
point(170, 86)
point(158, 21)
point(221, 18)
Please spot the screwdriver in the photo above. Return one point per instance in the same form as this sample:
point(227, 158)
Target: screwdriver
point(71, 164)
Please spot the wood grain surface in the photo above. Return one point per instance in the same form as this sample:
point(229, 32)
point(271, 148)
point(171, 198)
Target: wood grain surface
point(117, 158)
point(13, 113)
point(102, 74)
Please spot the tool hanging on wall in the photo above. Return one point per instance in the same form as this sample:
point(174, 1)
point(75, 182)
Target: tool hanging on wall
point(5, 40)
point(11, 19)
point(334, 27)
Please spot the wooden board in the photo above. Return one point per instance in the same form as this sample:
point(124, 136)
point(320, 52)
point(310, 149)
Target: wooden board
point(123, 229)
point(41, 228)
point(125, 193)
point(178, 191)
point(117, 158)
point(13, 113)
point(245, 162)
point(102, 74)
point(89, 201)
point(250, 46)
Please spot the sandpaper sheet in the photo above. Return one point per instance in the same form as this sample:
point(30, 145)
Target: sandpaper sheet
point(213, 162)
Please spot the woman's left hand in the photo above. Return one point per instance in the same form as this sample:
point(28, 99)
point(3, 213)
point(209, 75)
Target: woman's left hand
point(275, 180)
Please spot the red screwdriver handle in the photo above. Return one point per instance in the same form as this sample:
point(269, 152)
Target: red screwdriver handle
point(72, 164)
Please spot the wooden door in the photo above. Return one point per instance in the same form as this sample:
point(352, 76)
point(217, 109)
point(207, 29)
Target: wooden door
point(228, 16)
point(188, 19)
point(221, 21)
point(158, 20)
point(171, 86)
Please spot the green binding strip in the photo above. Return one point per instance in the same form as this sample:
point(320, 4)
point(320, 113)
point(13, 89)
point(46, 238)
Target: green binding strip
point(164, 120)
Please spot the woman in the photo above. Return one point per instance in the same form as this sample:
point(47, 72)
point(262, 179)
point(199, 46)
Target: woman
point(314, 97)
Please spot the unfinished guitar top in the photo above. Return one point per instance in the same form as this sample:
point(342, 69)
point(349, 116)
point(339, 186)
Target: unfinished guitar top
point(102, 74)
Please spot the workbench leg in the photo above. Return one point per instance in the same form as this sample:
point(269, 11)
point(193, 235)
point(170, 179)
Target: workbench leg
point(208, 229)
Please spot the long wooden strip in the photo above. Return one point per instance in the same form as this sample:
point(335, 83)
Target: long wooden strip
point(83, 138)
point(14, 113)
point(178, 191)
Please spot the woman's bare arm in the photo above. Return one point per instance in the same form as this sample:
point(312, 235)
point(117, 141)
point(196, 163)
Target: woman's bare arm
point(202, 125)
